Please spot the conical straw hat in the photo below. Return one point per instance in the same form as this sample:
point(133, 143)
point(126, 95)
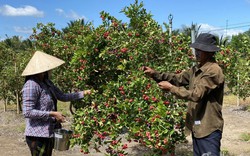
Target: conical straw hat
point(41, 62)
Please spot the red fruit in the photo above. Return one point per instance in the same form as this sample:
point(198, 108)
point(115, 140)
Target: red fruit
point(151, 107)
point(121, 88)
point(106, 34)
point(96, 50)
point(146, 98)
point(124, 146)
point(114, 142)
point(157, 116)
point(148, 135)
point(165, 141)
point(137, 119)
point(153, 119)
point(115, 24)
point(101, 136)
point(177, 126)
point(124, 50)
point(191, 57)
point(178, 71)
point(166, 102)
point(75, 136)
point(106, 104)
point(154, 99)
point(148, 85)
point(80, 78)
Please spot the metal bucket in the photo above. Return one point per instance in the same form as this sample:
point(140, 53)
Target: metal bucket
point(62, 139)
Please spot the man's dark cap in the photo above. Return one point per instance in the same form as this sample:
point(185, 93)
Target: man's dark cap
point(205, 42)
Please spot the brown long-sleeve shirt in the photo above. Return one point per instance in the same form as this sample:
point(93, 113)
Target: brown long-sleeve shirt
point(204, 88)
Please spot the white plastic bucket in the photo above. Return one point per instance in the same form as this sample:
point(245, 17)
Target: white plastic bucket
point(62, 139)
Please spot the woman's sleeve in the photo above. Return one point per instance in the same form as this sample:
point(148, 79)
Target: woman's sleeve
point(31, 94)
point(67, 96)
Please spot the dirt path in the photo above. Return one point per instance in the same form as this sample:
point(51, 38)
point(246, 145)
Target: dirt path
point(237, 121)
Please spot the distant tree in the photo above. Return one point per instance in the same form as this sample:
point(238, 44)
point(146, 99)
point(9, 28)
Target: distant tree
point(240, 80)
point(223, 41)
point(13, 57)
point(247, 32)
point(186, 30)
point(72, 24)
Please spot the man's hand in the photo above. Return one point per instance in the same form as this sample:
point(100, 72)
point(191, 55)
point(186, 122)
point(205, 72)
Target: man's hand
point(165, 85)
point(148, 71)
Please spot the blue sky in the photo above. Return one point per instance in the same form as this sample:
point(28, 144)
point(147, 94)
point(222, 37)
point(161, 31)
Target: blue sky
point(223, 17)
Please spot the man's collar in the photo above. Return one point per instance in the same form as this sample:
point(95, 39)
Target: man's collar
point(205, 66)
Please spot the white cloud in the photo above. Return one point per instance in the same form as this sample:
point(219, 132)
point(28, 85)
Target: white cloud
point(60, 11)
point(218, 30)
point(25, 30)
point(27, 10)
point(71, 15)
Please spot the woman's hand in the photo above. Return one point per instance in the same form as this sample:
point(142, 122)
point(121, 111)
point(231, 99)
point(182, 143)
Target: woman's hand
point(58, 116)
point(86, 92)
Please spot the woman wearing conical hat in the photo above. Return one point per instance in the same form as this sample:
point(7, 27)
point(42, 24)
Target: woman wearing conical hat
point(40, 96)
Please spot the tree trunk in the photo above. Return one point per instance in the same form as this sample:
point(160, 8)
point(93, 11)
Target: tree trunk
point(5, 104)
point(17, 103)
